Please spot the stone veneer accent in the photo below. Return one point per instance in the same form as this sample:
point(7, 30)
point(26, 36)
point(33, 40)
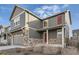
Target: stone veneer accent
point(55, 41)
point(35, 41)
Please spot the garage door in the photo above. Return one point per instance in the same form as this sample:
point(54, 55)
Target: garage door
point(18, 39)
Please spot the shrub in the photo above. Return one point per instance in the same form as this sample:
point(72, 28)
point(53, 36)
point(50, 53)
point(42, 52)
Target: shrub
point(67, 41)
point(77, 46)
point(3, 53)
point(18, 50)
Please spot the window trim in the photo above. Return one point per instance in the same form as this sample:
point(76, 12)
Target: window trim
point(57, 20)
point(14, 22)
point(44, 23)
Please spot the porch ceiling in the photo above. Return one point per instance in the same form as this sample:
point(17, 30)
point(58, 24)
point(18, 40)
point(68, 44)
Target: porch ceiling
point(15, 30)
point(50, 28)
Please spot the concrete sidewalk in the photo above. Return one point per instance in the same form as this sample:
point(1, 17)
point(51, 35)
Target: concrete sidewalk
point(10, 47)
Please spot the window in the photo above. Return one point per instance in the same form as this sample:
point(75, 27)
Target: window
point(45, 23)
point(59, 19)
point(16, 21)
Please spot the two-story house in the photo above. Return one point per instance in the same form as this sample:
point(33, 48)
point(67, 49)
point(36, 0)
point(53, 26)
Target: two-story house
point(3, 35)
point(76, 34)
point(28, 28)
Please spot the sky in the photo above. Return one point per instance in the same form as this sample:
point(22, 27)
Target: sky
point(42, 10)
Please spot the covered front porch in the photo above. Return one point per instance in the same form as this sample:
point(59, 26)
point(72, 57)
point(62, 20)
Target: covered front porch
point(54, 36)
point(50, 36)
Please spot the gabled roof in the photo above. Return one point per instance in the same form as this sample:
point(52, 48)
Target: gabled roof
point(59, 14)
point(55, 15)
point(24, 10)
point(38, 16)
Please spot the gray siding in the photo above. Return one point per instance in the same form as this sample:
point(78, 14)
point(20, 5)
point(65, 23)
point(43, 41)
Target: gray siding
point(53, 22)
point(34, 34)
point(22, 22)
point(35, 22)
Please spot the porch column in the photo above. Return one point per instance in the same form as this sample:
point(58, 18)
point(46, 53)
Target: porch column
point(63, 44)
point(47, 36)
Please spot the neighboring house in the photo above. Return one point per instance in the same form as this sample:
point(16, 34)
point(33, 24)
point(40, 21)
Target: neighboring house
point(76, 34)
point(75, 38)
point(3, 37)
point(27, 28)
point(8, 35)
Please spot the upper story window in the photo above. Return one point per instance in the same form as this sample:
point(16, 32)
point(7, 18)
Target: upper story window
point(59, 19)
point(45, 23)
point(16, 21)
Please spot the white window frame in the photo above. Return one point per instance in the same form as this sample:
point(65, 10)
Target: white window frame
point(43, 23)
point(61, 19)
point(16, 17)
point(16, 20)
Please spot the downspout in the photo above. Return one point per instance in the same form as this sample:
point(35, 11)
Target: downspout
point(47, 36)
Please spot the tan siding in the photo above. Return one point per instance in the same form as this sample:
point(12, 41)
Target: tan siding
point(34, 22)
point(22, 20)
point(17, 11)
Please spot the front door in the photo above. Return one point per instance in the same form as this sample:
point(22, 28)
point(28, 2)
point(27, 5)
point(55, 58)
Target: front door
point(45, 37)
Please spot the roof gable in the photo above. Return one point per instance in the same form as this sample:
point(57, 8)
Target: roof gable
point(16, 11)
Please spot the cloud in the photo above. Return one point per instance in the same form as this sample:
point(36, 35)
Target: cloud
point(65, 6)
point(56, 9)
point(45, 11)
